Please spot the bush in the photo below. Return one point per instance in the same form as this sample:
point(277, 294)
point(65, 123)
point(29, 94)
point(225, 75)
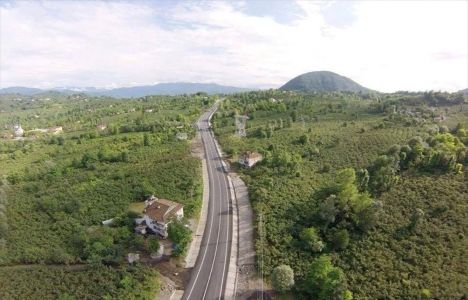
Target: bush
point(153, 243)
point(303, 139)
point(282, 278)
point(311, 239)
point(339, 239)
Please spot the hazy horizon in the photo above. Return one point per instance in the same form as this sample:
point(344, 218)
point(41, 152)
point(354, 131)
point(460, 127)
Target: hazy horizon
point(250, 44)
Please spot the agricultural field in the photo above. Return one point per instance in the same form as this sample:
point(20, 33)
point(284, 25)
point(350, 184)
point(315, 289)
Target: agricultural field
point(363, 196)
point(65, 283)
point(56, 189)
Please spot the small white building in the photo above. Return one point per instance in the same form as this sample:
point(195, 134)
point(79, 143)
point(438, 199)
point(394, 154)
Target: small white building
point(107, 222)
point(157, 216)
point(249, 159)
point(18, 131)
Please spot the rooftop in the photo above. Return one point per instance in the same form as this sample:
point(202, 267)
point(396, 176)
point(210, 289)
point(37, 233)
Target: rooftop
point(161, 210)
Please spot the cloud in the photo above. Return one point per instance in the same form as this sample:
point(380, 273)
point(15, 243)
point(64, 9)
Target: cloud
point(386, 46)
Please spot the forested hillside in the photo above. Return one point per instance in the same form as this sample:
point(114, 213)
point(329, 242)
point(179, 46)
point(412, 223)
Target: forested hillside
point(56, 190)
point(323, 81)
point(363, 197)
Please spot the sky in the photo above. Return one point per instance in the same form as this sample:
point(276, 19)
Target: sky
point(383, 45)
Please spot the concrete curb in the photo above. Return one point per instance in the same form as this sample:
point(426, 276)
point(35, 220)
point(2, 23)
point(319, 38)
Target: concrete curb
point(231, 282)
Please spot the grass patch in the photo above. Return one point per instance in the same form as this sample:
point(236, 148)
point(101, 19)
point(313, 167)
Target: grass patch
point(137, 207)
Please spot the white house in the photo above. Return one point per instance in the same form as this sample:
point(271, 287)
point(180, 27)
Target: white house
point(249, 159)
point(158, 214)
point(18, 131)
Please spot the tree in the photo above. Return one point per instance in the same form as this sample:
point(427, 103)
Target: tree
point(367, 218)
point(327, 210)
point(66, 296)
point(425, 294)
point(347, 295)
point(310, 237)
point(362, 179)
point(303, 139)
point(270, 131)
point(153, 243)
point(261, 133)
point(323, 281)
point(124, 156)
point(416, 218)
point(146, 140)
point(282, 278)
point(180, 235)
point(294, 116)
point(383, 174)
point(339, 239)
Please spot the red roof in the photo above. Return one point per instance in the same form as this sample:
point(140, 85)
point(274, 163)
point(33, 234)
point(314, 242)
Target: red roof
point(161, 210)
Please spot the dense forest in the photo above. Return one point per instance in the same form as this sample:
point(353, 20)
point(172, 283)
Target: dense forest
point(56, 189)
point(357, 196)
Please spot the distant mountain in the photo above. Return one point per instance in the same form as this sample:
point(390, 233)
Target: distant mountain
point(464, 92)
point(175, 88)
point(323, 81)
point(20, 90)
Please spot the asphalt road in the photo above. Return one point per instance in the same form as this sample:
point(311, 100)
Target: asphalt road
point(208, 277)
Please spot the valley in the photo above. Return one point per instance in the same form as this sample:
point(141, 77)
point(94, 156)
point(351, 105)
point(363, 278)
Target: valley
point(355, 194)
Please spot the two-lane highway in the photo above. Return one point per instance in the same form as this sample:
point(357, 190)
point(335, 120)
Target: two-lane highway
point(208, 277)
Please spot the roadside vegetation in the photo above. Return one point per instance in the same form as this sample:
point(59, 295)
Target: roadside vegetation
point(57, 189)
point(360, 196)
